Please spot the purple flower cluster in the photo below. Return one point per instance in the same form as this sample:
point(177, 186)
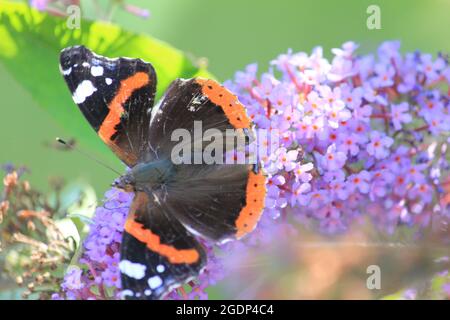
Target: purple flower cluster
point(98, 276)
point(362, 135)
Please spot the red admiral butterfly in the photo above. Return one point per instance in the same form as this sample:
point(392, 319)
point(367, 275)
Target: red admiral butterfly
point(173, 202)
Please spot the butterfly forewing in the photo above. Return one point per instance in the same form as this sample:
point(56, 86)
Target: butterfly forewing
point(115, 96)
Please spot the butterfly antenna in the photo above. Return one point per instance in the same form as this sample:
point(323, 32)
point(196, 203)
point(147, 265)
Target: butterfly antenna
point(71, 147)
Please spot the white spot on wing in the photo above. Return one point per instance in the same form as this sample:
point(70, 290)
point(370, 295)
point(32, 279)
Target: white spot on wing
point(148, 292)
point(108, 81)
point(84, 90)
point(85, 64)
point(97, 71)
point(65, 72)
point(160, 268)
point(198, 100)
point(126, 293)
point(154, 282)
point(132, 270)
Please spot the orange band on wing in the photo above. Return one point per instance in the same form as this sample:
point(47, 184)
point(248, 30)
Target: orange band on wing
point(153, 242)
point(229, 103)
point(254, 205)
point(126, 89)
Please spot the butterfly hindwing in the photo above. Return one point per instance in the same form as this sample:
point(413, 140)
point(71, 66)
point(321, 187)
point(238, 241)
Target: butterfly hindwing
point(219, 202)
point(115, 96)
point(157, 253)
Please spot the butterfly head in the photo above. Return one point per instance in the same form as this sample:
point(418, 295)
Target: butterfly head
point(127, 182)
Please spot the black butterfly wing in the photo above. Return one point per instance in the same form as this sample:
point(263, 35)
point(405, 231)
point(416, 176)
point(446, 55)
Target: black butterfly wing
point(115, 96)
point(218, 202)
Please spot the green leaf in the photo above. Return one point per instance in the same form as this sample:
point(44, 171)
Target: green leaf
point(30, 42)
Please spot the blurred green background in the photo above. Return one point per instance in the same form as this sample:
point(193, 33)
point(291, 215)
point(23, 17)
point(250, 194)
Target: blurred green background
point(229, 34)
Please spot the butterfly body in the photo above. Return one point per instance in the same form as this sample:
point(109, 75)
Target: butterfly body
point(174, 202)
